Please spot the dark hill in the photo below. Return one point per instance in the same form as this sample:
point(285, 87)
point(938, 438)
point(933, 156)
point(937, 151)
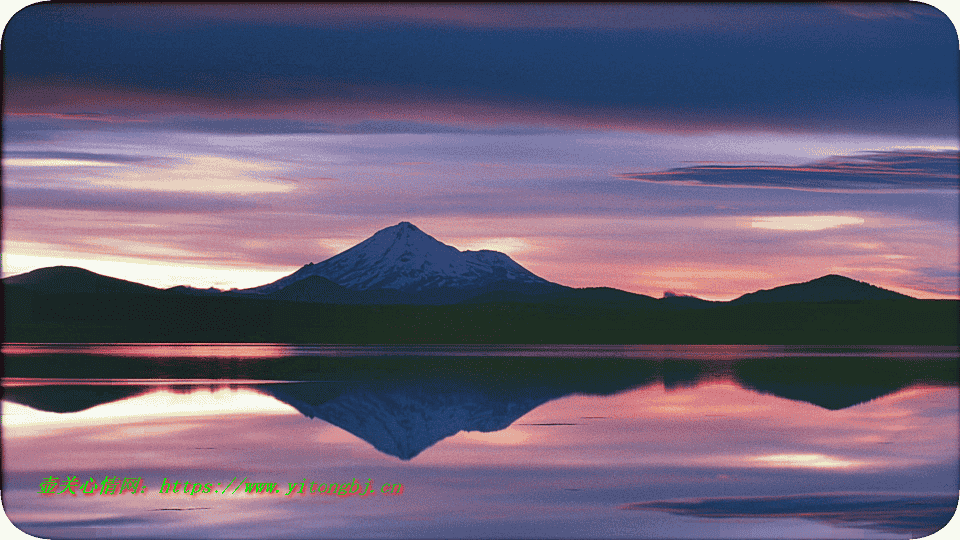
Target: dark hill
point(613, 296)
point(553, 294)
point(70, 279)
point(508, 291)
point(319, 290)
point(676, 301)
point(828, 288)
point(193, 291)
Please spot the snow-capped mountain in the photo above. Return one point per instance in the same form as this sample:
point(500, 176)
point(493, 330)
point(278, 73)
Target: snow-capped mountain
point(405, 259)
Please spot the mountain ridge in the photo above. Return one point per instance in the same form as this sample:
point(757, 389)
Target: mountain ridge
point(57, 280)
point(402, 264)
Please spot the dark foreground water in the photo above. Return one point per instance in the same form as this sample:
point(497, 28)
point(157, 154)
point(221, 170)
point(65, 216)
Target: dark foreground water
point(488, 442)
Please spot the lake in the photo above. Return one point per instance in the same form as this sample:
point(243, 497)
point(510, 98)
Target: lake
point(488, 442)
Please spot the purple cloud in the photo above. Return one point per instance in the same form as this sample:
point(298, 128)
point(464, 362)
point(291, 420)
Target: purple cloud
point(880, 171)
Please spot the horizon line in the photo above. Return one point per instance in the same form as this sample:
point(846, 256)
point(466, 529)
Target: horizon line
point(4, 277)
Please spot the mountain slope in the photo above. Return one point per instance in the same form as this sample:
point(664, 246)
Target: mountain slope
point(825, 289)
point(70, 279)
point(404, 258)
point(676, 301)
point(192, 291)
point(320, 290)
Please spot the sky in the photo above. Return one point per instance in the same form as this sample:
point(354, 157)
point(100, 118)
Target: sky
point(703, 149)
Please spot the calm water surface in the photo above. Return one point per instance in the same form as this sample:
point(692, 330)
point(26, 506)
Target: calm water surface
point(492, 442)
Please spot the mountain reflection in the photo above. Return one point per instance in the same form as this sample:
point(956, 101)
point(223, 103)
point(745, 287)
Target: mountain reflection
point(404, 405)
point(68, 398)
point(403, 420)
point(837, 383)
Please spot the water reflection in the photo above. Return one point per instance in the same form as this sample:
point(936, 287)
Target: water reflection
point(402, 406)
point(816, 446)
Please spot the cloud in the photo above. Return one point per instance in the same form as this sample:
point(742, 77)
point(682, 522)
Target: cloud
point(888, 11)
point(61, 159)
point(803, 223)
point(280, 126)
point(124, 201)
point(92, 522)
point(899, 513)
point(203, 174)
point(704, 17)
point(897, 170)
point(938, 272)
point(653, 68)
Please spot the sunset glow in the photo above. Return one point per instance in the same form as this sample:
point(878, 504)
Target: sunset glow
point(804, 223)
point(522, 270)
point(803, 460)
point(512, 128)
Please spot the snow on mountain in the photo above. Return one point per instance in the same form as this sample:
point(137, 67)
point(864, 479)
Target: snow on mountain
point(404, 258)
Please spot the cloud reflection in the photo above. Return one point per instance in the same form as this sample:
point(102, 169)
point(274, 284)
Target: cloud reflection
point(909, 514)
point(404, 406)
point(569, 465)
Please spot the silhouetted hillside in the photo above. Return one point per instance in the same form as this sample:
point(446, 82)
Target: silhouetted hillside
point(70, 279)
point(65, 304)
point(674, 301)
point(85, 318)
point(184, 289)
point(320, 290)
point(828, 288)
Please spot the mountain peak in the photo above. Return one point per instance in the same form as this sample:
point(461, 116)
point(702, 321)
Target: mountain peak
point(834, 279)
point(402, 227)
point(402, 230)
point(404, 258)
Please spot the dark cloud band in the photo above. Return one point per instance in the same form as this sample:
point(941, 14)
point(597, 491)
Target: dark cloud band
point(882, 171)
point(81, 156)
point(807, 68)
